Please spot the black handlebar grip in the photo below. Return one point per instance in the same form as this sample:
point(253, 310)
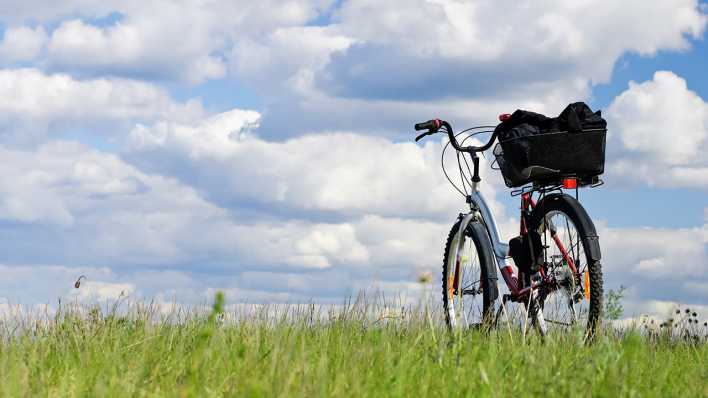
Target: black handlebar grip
point(429, 125)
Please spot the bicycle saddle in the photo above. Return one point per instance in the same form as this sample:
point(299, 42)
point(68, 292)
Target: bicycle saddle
point(538, 172)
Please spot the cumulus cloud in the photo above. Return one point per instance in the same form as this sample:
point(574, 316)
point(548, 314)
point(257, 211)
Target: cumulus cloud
point(663, 127)
point(185, 41)
point(453, 57)
point(287, 58)
point(84, 206)
point(45, 11)
point(339, 173)
point(660, 264)
point(444, 41)
point(125, 49)
point(33, 104)
point(438, 51)
point(21, 44)
point(77, 204)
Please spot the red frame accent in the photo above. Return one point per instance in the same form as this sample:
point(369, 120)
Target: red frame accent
point(510, 278)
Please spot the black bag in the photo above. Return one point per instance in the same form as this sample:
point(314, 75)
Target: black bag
point(578, 116)
point(527, 252)
point(536, 148)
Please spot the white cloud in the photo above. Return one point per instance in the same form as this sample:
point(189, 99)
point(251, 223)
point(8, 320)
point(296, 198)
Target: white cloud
point(552, 48)
point(590, 36)
point(286, 58)
point(32, 102)
point(129, 50)
point(662, 118)
point(185, 41)
point(84, 206)
point(461, 28)
point(395, 59)
point(656, 253)
point(21, 44)
point(657, 265)
point(45, 10)
point(336, 172)
point(664, 127)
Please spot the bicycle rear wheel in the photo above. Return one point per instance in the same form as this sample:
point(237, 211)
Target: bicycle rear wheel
point(571, 293)
point(468, 277)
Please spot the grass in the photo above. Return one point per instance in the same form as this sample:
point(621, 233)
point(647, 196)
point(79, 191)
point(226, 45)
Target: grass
point(301, 351)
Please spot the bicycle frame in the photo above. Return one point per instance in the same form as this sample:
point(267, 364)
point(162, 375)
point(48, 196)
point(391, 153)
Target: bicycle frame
point(480, 211)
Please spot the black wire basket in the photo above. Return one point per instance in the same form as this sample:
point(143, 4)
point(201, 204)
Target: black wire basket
point(550, 157)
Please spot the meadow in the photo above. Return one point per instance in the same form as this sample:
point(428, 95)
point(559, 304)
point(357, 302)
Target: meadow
point(351, 350)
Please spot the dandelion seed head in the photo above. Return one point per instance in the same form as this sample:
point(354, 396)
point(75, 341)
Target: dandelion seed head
point(425, 277)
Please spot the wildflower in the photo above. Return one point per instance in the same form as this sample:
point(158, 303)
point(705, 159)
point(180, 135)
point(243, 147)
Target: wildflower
point(425, 278)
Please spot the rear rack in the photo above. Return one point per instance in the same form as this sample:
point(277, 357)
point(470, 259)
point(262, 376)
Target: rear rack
point(557, 184)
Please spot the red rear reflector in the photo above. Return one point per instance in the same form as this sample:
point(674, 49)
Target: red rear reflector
point(504, 117)
point(570, 183)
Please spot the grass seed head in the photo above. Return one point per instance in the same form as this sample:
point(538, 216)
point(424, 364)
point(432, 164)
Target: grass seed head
point(77, 284)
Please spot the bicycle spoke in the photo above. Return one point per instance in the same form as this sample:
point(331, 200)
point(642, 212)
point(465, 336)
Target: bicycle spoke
point(467, 287)
point(570, 238)
point(465, 308)
point(561, 305)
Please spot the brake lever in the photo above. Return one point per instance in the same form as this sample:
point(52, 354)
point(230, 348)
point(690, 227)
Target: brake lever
point(418, 138)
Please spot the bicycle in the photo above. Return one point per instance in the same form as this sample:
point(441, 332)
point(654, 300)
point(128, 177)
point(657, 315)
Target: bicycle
point(561, 289)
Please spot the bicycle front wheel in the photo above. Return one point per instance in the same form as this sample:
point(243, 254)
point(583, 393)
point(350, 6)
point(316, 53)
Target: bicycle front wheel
point(468, 280)
point(571, 293)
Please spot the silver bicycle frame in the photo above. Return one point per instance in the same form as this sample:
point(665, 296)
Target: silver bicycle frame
point(479, 210)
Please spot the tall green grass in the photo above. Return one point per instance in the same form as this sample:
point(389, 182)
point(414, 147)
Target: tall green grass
point(358, 349)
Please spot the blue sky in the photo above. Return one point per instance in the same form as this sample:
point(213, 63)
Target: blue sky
point(264, 148)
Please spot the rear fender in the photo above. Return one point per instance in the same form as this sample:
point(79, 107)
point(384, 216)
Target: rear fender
point(581, 219)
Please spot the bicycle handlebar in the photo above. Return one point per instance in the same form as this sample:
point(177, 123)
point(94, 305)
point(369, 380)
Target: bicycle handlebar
point(434, 125)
